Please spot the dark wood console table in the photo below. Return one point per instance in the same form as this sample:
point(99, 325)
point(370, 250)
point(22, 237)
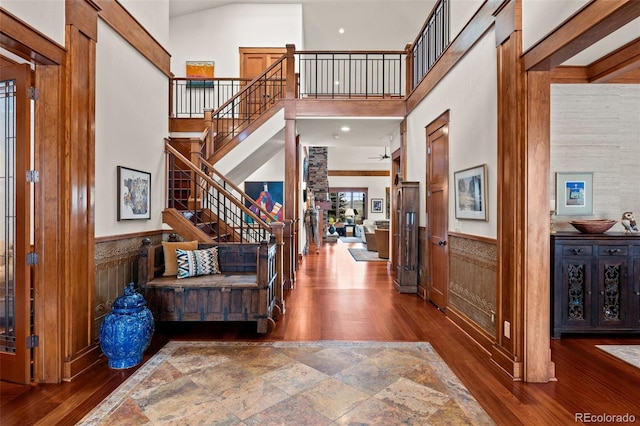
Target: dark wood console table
point(595, 282)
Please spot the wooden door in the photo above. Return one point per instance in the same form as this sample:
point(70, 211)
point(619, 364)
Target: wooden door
point(438, 210)
point(253, 62)
point(15, 287)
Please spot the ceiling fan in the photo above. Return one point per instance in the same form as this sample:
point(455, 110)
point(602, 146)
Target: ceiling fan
point(381, 156)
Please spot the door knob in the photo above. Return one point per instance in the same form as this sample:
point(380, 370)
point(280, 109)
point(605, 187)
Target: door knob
point(442, 243)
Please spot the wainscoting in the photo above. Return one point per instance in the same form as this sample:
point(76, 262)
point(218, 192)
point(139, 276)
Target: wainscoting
point(472, 279)
point(116, 266)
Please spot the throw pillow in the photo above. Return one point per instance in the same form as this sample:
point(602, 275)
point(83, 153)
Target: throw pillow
point(192, 263)
point(169, 248)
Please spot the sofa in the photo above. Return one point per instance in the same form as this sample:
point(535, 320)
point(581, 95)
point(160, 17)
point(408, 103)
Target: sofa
point(369, 234)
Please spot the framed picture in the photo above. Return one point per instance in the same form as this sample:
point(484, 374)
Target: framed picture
point(270, 195)
point(134, 194)
point(471, 193)
point(200, 69)
point(376, 205)
point(574, 193)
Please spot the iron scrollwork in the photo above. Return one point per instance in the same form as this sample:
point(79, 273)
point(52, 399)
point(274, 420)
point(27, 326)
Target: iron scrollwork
point(576, 279)
point(611, 302)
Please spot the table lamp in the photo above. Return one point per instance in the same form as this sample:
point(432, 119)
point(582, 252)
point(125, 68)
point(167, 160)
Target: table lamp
point(349, 214)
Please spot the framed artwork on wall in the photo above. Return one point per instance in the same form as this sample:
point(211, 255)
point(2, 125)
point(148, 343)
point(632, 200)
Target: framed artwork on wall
point(134, 194)
point(574, 193)
point(202, 70)
point(269, 195)
point(471, 193)
point(376, 205)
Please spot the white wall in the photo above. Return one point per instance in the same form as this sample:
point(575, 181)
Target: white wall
point(596, 128)
point(469, 91)
point(131, 123)
point(540, 17)
point(48, 16)
point(153, 15)
point(216, 34)
point(460, 13)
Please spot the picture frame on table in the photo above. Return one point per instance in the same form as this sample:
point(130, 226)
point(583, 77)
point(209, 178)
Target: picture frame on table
point(471, 193)
point(134, 194)
point(574, 193)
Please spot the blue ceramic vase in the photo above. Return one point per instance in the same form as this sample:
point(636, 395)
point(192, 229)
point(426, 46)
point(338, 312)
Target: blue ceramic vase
point(126, 332)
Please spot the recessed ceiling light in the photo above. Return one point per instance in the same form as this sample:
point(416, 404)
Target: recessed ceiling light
point(341, 30)
point(336, 136)
point(337, 83)
point(345, 128)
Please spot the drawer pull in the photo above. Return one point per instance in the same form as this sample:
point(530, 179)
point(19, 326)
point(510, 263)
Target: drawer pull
point(613, 251)
point(577, 250)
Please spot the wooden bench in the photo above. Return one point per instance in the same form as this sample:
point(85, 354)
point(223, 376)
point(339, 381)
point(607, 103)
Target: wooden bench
point(246, 290)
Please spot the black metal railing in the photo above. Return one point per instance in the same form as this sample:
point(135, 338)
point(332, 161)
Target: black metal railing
point(250, 103)
point(191, 96)
point(355, 74)
point(208, 204)
point(432, 41)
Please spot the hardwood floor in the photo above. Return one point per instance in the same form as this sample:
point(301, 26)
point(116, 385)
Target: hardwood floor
point(338, 299)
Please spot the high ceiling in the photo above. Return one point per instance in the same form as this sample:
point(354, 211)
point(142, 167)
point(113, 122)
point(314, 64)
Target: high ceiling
point(321, 20)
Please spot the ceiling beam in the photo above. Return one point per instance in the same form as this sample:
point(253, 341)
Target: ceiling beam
point(592, 23)
point(616, 64)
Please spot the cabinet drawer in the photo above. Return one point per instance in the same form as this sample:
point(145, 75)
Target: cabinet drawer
point(577, 250)
point(613, 250)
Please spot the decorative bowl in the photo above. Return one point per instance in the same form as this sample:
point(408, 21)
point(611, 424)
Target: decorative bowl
point(594, 226)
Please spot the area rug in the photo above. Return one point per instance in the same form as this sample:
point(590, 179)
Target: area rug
point(291, 383)
point(628, 353)
point(364, 255)
point(351, 240)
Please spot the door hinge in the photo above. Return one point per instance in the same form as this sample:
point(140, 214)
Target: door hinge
point(429, 150)
point(33, 93)
point(428, 193)
point(33, 176)
point(33, 341)
point(32, 258)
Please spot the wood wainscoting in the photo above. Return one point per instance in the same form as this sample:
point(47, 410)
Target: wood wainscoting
point(472, 285)
point(116, 266)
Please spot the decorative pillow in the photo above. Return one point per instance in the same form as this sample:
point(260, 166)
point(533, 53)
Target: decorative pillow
point(169, 248)
point(192, 263)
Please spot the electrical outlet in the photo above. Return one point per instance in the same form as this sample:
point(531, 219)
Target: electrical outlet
point(507, 329)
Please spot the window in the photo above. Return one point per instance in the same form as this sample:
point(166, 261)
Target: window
point(347, 198)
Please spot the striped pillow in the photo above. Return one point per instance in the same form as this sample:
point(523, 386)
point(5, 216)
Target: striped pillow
point(192, 263)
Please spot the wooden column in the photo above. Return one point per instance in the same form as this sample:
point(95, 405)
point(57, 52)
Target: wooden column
point(290, 193)
point(77, 189)
point(522, 344)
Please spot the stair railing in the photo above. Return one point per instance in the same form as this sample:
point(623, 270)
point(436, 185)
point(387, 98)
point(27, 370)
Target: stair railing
point(256, 98)
point(203, 201)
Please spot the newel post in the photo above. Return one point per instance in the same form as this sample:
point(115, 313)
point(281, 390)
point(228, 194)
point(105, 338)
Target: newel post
point(409, 71)
point(194, 151)
point(211, 135)
point(290, 92)
point(277, 230)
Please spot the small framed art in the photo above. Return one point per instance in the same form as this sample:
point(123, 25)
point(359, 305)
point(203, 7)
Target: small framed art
point(134, 194)
point(471, 193)
point(574, 193)
point(376, 205)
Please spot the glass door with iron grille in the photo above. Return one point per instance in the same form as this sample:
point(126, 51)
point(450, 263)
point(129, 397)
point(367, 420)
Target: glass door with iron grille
point(15, 231)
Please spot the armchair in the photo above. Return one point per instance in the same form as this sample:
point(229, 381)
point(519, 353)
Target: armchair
point(382, 242)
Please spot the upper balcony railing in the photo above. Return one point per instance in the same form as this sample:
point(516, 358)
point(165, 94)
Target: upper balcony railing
point(318, 75)
point(431, 43)
point(351, 74)
point(191, 96)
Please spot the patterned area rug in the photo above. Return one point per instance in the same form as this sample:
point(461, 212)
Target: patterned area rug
point(364, 255)
point(291, 383)
point(628, 353)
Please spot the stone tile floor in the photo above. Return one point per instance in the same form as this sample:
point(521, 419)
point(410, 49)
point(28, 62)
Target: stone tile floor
point(291, 383)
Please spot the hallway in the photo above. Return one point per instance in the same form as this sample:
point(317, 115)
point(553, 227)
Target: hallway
point(337, 298)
